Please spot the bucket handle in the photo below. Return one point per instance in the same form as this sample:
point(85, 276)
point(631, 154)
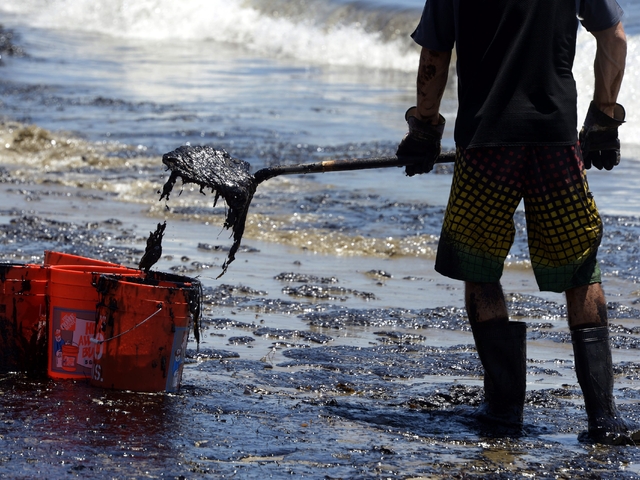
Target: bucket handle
point(100, 342)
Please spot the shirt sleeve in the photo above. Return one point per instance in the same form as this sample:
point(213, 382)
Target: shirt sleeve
point(598, 15)
point(436, 30)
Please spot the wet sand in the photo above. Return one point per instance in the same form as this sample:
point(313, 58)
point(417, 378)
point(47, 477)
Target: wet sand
point(341, 367)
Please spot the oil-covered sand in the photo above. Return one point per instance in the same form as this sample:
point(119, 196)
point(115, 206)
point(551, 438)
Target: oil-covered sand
point(311, 364)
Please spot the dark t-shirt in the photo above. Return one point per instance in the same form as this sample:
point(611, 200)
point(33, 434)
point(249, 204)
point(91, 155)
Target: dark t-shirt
point(514, 62)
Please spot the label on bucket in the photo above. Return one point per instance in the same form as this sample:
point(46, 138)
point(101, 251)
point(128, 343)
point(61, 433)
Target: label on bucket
point(178, 350)
point(71, 350)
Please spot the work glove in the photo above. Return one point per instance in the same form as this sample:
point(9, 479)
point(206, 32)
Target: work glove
point(599, 138)
point(421, 145)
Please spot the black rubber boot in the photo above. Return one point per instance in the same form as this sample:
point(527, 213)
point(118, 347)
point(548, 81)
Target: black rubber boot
point(502, 350)
point(594, 369)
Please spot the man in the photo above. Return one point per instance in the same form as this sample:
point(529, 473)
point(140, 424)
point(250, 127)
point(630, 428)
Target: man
point(516, 138)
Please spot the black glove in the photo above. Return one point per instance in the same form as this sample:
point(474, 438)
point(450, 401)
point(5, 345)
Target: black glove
point(421, 145)
point(599, 138)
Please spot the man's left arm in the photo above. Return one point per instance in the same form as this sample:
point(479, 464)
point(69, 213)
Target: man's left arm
point(433, 73)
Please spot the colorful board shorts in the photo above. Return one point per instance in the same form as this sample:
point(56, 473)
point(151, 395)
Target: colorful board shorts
point(563, 225)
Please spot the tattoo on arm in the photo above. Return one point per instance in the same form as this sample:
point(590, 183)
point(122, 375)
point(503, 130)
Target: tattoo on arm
point(427, 73)
point(431, 82)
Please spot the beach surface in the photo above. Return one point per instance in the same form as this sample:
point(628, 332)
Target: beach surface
point(330, 348)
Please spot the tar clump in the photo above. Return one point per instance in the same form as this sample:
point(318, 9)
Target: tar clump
point(153, 250)
point(227, 177)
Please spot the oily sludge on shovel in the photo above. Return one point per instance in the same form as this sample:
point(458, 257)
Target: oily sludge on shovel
point(230, 178)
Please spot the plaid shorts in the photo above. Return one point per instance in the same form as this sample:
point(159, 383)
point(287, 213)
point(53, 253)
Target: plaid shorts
point(563, 225)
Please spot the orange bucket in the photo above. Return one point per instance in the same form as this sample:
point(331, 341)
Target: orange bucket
point(52, 258)
point(73, 300)
point(143, 330)
point(23, 318)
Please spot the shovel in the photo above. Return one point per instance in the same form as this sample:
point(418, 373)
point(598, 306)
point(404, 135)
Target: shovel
point(230, 178)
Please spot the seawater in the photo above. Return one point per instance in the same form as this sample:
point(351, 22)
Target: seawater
point(325, 72)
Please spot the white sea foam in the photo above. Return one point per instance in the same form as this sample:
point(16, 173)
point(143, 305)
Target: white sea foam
point(229, 21)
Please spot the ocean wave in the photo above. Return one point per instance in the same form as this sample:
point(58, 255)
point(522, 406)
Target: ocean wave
point(353, 34)
point(371, 34)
